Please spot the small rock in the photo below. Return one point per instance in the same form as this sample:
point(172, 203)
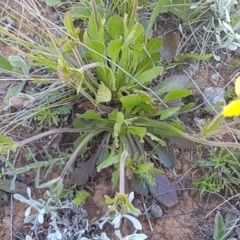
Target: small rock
point(214, 95)
point(156, 211)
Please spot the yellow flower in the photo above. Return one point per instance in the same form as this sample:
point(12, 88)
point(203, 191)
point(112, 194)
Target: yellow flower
point(233, 108)
point(237, 86)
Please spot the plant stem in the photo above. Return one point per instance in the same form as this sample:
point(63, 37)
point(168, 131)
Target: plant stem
point(54, 131)
point(122, 173)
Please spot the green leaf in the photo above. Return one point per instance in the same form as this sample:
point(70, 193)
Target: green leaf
point(182, 9)
point(147, 76)
point(158, 8)
point(120, 118)
point(5, 64)
point(90, 119)
point(115, 178)
point(177, 94)
point(103, 94)
point(165, 156)
point(187, 107)
point(129, 102)
point(81, 11)
point(154, 44)
point(134, 33)
point(138, 185)
point(103, 155)
point(115, 27)
point(107, 77)
point(7, 144)
point(78, 141)
point(168, 112)
point(68, 23)
point(114, 48)
point(139, 131)
point(117, 128)
point(112, 159)
point(157, 139)
point(53, 2)
point(93, 26)
point(219, 229)
point(18, 62)
point(96, 46)
point(147, 63)
point(175, 82)
point(212, 125)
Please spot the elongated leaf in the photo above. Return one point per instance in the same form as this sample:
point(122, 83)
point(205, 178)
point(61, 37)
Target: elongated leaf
point(175, 82)
point(164, 192)
point(53, 2)
point(187, 107)
point(166, 156)
point(115, 178)
point(169, 47)
point(134, 33)
point(177, 94)
point(94, 24)
point(18, 62)
point(168, 112)
point(112, 159)
point(139, 131)
point(78, 141)
point(154, 44)
point(107, 77)
point(157, 139)
point(158, 8)
point(5, 64)
point(130, 101)
point(103, 94)
point(84, 170)
point(147, 76)
point(181, 142)
point(7, 144)
point(182, 9)
point(114, 48)
point(212, 125)
point(115, 27)
point(219, 229)
point(89, 119)
point(138, 186)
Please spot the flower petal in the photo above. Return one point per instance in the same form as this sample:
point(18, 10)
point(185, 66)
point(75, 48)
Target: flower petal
point(232, 109)
point(237, 86)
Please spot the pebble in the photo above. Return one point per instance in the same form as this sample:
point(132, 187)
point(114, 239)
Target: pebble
point(156, 211)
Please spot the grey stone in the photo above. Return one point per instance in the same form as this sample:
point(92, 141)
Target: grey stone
point(213, 96)
point(156, 211)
